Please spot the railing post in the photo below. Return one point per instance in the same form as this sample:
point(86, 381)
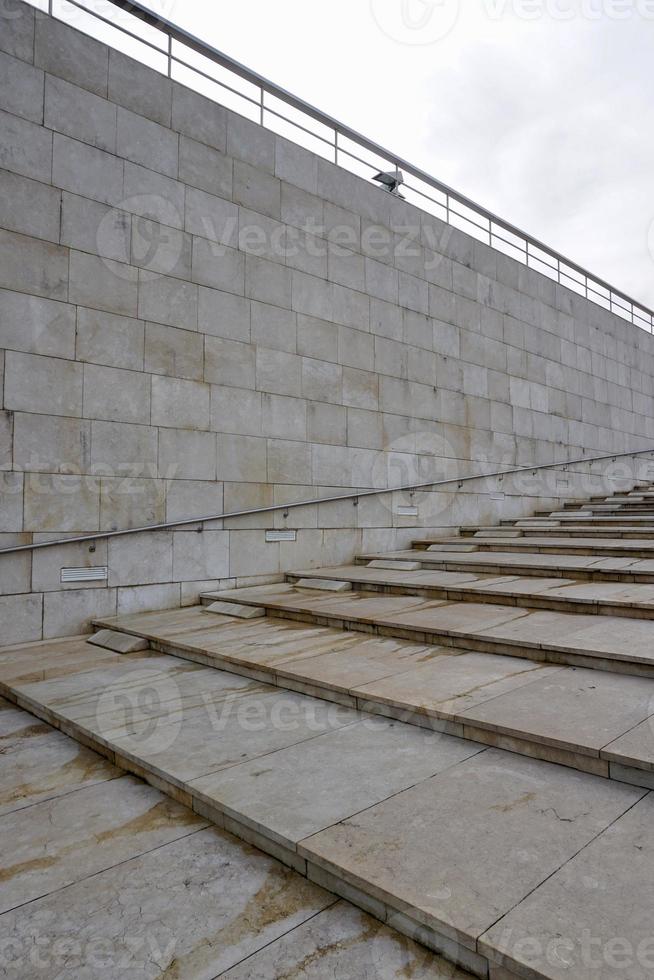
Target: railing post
point(170, 56)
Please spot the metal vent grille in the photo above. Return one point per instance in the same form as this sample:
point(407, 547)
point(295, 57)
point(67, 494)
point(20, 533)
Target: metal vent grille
point(96, 573)
point(281, 535)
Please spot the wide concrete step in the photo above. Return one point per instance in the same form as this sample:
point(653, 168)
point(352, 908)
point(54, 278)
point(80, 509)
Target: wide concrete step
point(603, 643)
point(447, 841)
point(589, 531)
point(585, 568)
point(542, 544)
point(557, 592)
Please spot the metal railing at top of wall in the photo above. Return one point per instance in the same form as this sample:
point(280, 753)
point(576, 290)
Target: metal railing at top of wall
point(354, 496)
point(171, 50)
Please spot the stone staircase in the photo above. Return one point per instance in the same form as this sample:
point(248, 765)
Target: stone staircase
point(458, 738)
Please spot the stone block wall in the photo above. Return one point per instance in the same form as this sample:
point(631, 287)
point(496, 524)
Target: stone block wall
point(198, 315)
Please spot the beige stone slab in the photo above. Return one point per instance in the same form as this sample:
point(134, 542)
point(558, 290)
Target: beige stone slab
point(634, 748)
point(49, 658)
point(592, 920)
point(118, 642)
point(323, 584)
point(461, 617)
point(344, 943)
point(619, 638)
point(230, 734)
point(304, 788)
point(190, 909)
point(235, 609)
point(573, 708)
point(38, 763)
point(463, 848)
point(366, 661)
point(447, 686)
point(164, 624)
point(60, 841)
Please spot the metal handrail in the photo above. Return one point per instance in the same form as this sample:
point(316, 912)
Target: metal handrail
point(493, 228)
point(354, 496)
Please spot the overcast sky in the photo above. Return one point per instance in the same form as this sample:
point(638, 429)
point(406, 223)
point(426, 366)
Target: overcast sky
point(541, 111)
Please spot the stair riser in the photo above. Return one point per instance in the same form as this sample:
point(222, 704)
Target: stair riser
point(532, 571)
point(512, 545)
point(502, 599)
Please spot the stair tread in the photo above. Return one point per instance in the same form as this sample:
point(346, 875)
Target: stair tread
point(379, 781)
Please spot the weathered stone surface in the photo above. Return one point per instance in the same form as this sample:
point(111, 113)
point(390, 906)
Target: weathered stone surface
point(118, 642)
point(236, 609)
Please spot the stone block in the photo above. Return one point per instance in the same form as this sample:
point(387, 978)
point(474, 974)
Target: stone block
point(166, 300)
point(218, 266)
point(93, 227)
point(236, 410)
point(350, 307)
point(6, 440)
point(86, 170)
point(116, 395)
point(211, 217)
point(75, 112)
point(25, 148)
point(199, 556)
point(69, 54)
point(317, 338)
point(105, 338)
point(146, 598)
point(267, 282)
point(360, 389)
point(46, 385)
point(200, 166)
point(36, 326)
point(178, 353)
point(256, 190)
point(143, 141)
point(364, 429)
point(153, 196)
point(386, 319)
point(17, 34)
point(103, 284)
point(278, 372)
point(141, 559)
point(356, 349)
point(224, 315)
point(322, 381)
point(381, 281)
point(21, 88)
point(312, 296)
point(346, 267)
point(51, 444)
point(21, 616)
point(33, 266)
point(117, 447)
point(11, 504)
point(326, 423)
point(250, 142)
point(236, 609)
point(289, 462)
point(187, 455)
point(131, 502)
point(273, 327)
point(118, 642)
point(61, 503)
point(158, 249)
point(199, 118)
point(332, 466)
point(228, 362)
point(241, 459)
point(142, 89)
point(296, 165)
point(47, 563)
point(194, 498)
point(71, 613)
point(180, 404)
point(251, 554)
point(303, 210)
point(283, 418)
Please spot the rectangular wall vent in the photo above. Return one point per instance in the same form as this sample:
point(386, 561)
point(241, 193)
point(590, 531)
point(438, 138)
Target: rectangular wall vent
point(96, 573)
point(407, 511)
point(281, 535)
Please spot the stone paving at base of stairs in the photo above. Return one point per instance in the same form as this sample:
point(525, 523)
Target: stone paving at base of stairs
point(590, 720)
point(440, 836)
point(107, 877)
